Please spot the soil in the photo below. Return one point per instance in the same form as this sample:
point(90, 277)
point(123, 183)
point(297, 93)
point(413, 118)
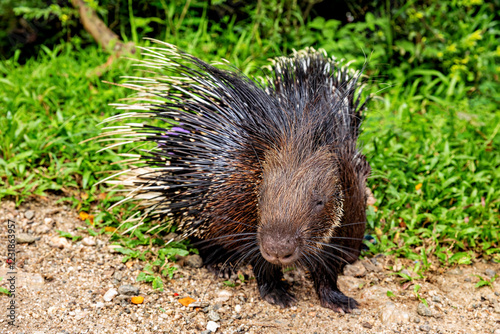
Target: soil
point(60, 286)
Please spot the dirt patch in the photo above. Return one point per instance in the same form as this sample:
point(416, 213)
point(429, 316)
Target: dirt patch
point(61, 288)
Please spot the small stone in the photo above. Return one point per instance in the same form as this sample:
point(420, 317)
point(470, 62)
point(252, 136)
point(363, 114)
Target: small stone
point(193, 261)
point(468, 279)
point(237, 308)
point(59, 242)
point(436, 299)
point(212, 315)
point(356, 269)
point(128, 290)
point(223, 296)
point(99, 305)
point(356, 311)
point(25, 238)
point(366, 324)
point(118, 275)
point(370, 266)
point(391, 313)
point(110, 294)
point(416, 320)
point(497, 331)
point(454, 271)
point(212, 326)
point(490, 272)
point(424, 310)
point(29, 214)
point(408, 272)
point(48, 221)
point(42, 229)
point(89, 241)
point(375, 292)
point(171, 236)
point(114, 248)
point(199, 304)
point(425, 328)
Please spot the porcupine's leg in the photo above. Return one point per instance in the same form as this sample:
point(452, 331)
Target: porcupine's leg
point(325, 283)
point(271, 286)
point(217, 260)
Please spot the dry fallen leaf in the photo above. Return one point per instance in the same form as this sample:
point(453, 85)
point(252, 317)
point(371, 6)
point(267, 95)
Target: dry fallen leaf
point(186, 301)
point(109, 229)
point(137, 300)
point(83, 215)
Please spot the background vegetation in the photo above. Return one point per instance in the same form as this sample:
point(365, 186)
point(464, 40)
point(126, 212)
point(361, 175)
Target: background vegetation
point(431, 133)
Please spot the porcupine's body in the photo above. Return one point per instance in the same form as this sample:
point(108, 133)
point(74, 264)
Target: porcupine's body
point(269, 176)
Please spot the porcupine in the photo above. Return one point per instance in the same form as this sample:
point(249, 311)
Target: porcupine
point(262, 172)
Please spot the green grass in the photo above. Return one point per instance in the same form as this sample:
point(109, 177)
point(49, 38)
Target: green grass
point(431, 136)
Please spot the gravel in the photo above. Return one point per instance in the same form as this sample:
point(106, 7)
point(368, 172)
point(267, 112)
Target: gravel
point(79, 287)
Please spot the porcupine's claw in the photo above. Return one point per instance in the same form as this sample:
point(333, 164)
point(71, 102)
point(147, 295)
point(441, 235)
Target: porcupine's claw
point(271, 286)
point(329, 294)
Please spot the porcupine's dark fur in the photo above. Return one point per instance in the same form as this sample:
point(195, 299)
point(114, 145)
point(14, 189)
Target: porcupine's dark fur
point(268, 175)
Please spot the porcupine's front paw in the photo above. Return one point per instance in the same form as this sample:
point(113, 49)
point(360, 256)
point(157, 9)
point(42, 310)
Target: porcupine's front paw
point(271, 286)
point(336, 300)
point(221, 270)
point(277, 294)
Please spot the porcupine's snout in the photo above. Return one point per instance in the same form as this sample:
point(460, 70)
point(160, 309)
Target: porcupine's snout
point(280, 249)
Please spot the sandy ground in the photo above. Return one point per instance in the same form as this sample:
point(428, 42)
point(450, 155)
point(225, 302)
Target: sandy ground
point(60, 287)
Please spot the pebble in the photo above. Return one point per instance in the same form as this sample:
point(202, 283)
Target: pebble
point(370, 266)
point(391, 313)
point(59, 242)
point(193, 261)
point(48, 221)
point(237, 308)
point(118, 275)
point(113, 248)
point(455, 271)
point(490, 272)
point(375, 292)
point(425, 328)
point(25, 238)
point(436, 299)
point(110, 294)
point(424, 310)
point(497, 331)
point(171, 236)
point(356, 269)
point(128, 290)
point(212, 315)
point(29, 214)
point(99, 305)
point(212, 326)
point(42, 229)
point(89, 241)
point(223, 296)
point(366, 324)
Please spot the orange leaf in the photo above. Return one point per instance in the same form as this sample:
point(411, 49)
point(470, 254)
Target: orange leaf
point(83, 215)
point(418, 186)
point(137, 300)
point(186, 301)
point(109, 229)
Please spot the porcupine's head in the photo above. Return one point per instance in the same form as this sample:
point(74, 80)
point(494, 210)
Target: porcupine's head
point(300, 202)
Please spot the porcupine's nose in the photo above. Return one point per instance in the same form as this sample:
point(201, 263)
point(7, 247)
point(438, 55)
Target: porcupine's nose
point(281, 251)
